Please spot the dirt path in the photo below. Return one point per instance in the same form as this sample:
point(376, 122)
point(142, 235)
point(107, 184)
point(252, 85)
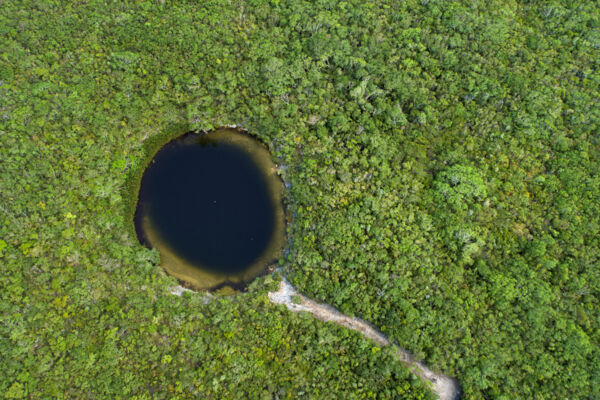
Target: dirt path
point(446, 388)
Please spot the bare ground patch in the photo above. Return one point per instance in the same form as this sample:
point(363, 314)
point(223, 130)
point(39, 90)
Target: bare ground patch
point(445, 387)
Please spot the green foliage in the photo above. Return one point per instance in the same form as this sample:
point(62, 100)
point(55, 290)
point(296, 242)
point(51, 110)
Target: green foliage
point(458, 186)
point(442, 162)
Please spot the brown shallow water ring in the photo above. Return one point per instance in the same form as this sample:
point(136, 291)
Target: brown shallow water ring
point(190, 270)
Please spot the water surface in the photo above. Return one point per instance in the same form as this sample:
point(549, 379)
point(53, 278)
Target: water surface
point(212, 205)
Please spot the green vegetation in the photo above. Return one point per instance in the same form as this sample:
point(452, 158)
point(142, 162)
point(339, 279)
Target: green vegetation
point(135, 344)
point(443, 166)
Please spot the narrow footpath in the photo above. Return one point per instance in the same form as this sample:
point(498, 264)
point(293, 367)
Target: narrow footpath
point(445, 387)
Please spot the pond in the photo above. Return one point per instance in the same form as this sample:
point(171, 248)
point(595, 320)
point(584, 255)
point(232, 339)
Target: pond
point(211, 204)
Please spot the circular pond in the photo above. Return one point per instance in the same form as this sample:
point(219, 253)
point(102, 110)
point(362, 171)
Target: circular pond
point(211, 204)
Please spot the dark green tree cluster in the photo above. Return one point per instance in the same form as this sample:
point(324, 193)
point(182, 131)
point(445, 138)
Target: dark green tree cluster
point(442, 159)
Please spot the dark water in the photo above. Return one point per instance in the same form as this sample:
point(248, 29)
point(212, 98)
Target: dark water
point(210, 203)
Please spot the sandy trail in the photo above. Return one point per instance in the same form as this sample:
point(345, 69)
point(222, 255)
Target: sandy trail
point(445, 387)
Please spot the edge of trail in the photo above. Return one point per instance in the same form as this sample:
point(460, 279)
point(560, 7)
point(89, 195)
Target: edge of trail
point(445, 387)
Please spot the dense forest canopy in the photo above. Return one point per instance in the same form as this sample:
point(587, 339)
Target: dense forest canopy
point(442, 161)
